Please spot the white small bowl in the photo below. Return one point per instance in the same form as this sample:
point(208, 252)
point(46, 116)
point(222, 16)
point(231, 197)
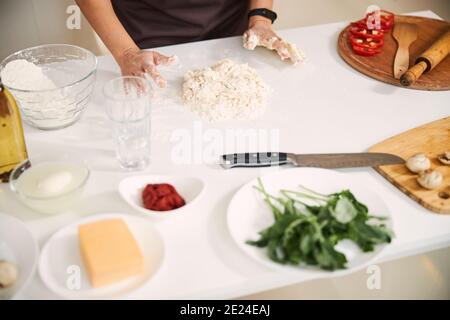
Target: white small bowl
point(54, 204)
point(189, 188)
point(18, 246)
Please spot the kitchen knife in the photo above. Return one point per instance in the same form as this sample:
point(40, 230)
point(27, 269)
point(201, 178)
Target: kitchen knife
point(330, 161)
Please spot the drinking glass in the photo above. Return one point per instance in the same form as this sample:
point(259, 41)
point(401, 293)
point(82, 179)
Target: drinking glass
point(128, 105)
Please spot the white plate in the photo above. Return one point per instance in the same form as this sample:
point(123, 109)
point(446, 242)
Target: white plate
point(189, 188)
point(60, 263)
point(18, 246)
point(248, 214)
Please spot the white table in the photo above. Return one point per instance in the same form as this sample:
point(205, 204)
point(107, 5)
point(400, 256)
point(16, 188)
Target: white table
point(322, 106)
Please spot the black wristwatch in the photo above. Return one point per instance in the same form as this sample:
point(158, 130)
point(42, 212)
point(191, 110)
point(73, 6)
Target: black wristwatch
point(266, 13)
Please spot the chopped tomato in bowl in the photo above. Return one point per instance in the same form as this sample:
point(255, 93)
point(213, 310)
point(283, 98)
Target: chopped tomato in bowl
point(161, 197)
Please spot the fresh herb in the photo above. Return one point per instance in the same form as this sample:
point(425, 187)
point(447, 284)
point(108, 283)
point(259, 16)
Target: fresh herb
point(305, 233)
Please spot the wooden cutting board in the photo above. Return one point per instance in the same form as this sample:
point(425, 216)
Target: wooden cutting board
point(432, 139)
point(380, 66)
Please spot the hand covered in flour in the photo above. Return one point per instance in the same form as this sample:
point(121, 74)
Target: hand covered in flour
point(260, 33)
point(142, 63)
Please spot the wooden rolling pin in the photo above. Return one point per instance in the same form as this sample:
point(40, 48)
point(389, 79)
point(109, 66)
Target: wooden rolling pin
point(428, 60)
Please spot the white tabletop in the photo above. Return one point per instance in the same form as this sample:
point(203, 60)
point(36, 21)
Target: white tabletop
point(321, 106)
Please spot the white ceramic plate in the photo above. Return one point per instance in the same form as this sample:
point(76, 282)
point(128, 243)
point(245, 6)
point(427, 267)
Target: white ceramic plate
point(18, 246)
point(62, 270)
point(248, 214)
point(189, 188)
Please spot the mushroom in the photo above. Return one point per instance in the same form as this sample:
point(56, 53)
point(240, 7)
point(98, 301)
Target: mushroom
point(430, 179)
point(8, 274)
point(418, 163)
point(445, 158)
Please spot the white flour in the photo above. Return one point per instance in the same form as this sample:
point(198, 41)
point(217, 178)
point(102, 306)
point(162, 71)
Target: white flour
point(24, 75)
point(44, 109)
point(225, 91)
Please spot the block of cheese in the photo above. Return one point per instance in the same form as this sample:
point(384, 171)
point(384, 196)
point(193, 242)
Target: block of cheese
point(109, 252)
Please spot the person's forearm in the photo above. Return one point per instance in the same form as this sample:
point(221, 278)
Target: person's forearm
point(268, 4)
point(255, 4)
point(103, 19)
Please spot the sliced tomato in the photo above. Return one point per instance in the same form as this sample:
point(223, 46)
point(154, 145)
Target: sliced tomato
point(367, 52)
point(363, 32)
point(366, 42)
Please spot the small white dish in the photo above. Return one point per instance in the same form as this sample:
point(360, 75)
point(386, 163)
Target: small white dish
point(189, 188)
point(248, 214)
point(18, 246)
point(61, 267)
point(26, 178)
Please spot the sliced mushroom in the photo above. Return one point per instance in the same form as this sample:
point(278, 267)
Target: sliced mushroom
point(430, 179)
point(445, 158)
point(418, 163)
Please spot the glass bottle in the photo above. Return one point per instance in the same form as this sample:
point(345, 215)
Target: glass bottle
point(12, 142)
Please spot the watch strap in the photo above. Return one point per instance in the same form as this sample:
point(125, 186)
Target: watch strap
point(266, 13)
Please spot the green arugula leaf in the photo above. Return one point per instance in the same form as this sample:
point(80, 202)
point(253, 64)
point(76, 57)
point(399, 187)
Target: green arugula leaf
point(307, 234)
point(344, 211)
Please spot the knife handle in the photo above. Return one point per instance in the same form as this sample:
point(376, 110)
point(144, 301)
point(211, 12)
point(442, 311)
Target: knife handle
point(254, 159)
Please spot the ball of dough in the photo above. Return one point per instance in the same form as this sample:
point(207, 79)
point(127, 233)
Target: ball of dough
point(418, 163)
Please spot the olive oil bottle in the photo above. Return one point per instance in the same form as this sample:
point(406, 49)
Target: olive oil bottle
point(12, 142)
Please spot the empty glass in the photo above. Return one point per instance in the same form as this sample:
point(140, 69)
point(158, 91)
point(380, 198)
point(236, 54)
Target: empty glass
point(128, 105)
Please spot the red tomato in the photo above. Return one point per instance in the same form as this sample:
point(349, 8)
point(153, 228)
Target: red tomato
point(161, 197)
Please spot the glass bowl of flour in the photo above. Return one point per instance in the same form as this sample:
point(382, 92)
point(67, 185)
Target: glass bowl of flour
point(51, 83)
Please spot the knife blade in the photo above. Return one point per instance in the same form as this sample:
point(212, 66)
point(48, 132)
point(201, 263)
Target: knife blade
point(328, 161)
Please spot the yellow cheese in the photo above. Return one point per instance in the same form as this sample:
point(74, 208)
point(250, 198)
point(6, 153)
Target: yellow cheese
point(109, 252)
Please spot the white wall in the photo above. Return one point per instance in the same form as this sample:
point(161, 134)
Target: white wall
point(25, 23)
point(295, 13)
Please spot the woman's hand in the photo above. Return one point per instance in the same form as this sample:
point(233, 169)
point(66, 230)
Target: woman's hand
point(260, 33)
point(139, 63)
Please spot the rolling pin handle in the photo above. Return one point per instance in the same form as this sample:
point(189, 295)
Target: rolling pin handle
point(410, 76)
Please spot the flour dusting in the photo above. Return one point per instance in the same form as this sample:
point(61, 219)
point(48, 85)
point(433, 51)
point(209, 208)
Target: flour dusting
point(225, 91)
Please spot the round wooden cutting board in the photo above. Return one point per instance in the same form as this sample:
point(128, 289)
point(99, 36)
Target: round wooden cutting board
point(380, 66)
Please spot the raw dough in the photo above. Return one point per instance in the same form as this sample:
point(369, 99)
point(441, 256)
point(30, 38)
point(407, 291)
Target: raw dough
point(251, 41)
point(226, 90)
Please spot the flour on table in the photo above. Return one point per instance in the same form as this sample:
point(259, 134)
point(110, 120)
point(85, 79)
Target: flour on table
point(23, 75)
point(225, 91)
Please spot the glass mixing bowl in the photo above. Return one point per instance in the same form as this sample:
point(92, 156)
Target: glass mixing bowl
point(72, 69)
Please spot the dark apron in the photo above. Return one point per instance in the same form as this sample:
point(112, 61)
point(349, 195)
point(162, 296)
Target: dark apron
point(155, 23)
